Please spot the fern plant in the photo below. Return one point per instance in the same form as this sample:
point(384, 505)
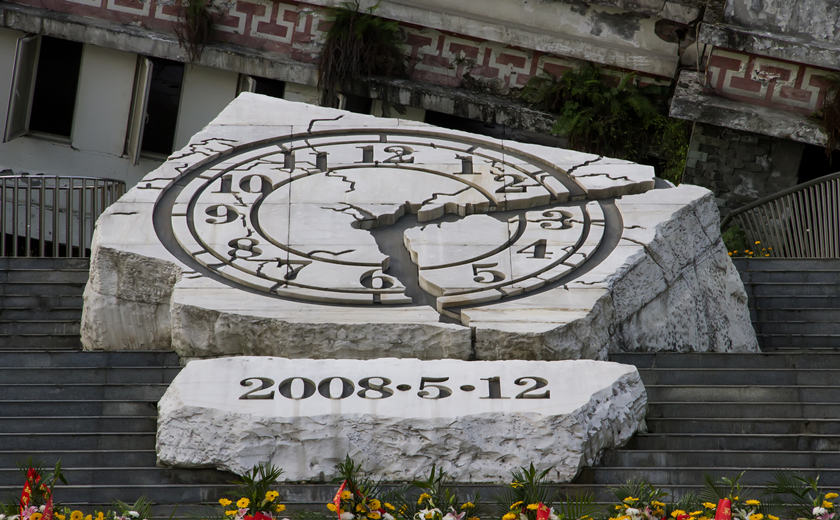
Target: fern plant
point(617, 118)
point(358, 45)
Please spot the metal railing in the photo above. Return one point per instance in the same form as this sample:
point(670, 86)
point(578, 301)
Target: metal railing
point(799, 222)
point(52, 216)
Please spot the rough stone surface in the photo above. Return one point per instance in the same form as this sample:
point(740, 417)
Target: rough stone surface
point(591, 406)
point(232, 247)
point(815, 19)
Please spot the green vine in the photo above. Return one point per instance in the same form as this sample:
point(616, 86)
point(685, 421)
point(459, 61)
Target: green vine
point(358, 45)
point(618, 119)
point(195, 26)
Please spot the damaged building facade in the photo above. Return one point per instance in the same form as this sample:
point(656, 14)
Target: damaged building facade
point(105, 88)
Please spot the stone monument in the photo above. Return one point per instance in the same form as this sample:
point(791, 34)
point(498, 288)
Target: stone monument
point(403, 292)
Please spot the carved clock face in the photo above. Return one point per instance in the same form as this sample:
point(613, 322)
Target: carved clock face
point(373, 216)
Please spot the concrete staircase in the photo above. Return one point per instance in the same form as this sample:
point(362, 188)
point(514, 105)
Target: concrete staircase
point(719, 414)
point(41, 302)
point(795, 304)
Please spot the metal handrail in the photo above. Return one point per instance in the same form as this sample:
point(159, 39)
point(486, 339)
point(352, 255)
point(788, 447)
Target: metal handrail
point(52, 215)
point(799, 222)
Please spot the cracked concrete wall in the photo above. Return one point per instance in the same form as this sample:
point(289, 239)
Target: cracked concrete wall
point(817, 20)
point(740, 167)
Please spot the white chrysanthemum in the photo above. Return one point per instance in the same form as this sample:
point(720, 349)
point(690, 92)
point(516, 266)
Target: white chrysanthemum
point(818, 511)
point(347, 515)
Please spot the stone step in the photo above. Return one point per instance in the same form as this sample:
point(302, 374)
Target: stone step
point(27, 408)
point(78, 441)
point(43, 276)
point(794, 301)
point(791, 289)
point(18, 263)
point(771, 342)
point(80, 458)
point(740, 376)
point(78, 424)
point(44, 315)
point(42, 289)
point(756, 361)
point(817, 275)
point(27, 342)
point(24, 327)
point(128, 475)
point(786, 314)
point(762, 425)
point(677, 475)
point(713, 459)
point(721, 441)
point(743, 393)
point(92, 375)
point(171, 492)
point(748, 410)
point(793, 328)
point(36, 301)
point(81, 391)
point(63, 359)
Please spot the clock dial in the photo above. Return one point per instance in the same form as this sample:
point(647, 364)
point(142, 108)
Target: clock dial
point(381, 217)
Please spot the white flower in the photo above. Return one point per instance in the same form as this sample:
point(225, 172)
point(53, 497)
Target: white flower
point(347, 515)
point(523, 516)
point(134, 514)
point(2, 516)
point(43, 506)
point(818, 511)
point(632, 511)
point(387, 516)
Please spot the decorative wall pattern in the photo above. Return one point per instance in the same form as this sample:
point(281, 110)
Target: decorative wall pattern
point(770, 82)
point(296, 30)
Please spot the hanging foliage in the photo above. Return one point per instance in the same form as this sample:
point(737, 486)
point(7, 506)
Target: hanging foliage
point(613, 116)
point(194, 27)
point(358, 45)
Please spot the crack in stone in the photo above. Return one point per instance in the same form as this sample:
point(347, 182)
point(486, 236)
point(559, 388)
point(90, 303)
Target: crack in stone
point(124, 213)
point(607, 175)
point(312, 122)
point(365, 215)
point(195, 148)
point(585, 163)
point(649, 252)
point(343, 178)
point(436, 194)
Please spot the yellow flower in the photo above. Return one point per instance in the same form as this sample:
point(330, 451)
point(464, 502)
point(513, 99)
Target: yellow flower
point(375, 504)
point(657, 503)
point(76, 515)
point(473, 518)
point(88, 517)
point(620, 507)
point(772, 517)
point(389, 507)
point(676, 513)
point(516, 504)
point(279, 508)
point(509, 516)
point(422, 497)
point(374, 515)
point(695, 513)
point(243, 502)
point(231, 512)
point(346, 495)
point(758, 242)
point(831, 496)
point(467, 505)
point(516, 484)
point(99, 516)
point(734, 499)
point(271, 496)
point(753, 502)
point(360, 508)
point(756, 516)
point(709, 505)
point(827, 504)
point(532, 507)
point(224, 502)
point(37, 516)
point(332, 507)
point(60, 516)
point(429, 515)
point(631, 499)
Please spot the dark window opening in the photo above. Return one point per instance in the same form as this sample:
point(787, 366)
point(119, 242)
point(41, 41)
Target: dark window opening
point(358, 104)
point(269, 87)
point(56, 82)
point(162, 106)
point(816, 163)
